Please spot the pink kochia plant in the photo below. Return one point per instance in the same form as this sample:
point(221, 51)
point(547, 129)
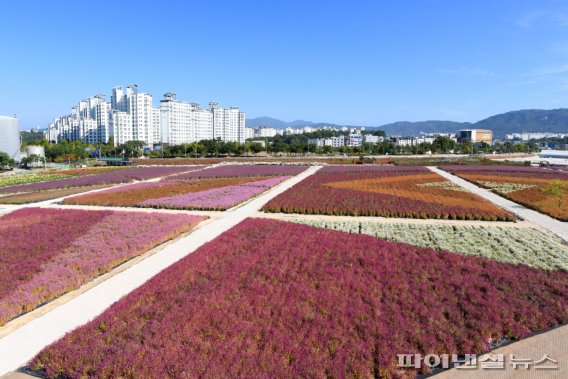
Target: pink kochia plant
point(282, 300)
point(216, 198)
point(45, 253)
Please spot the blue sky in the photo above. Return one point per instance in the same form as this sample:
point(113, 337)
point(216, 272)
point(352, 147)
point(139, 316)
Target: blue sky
point(357, 62)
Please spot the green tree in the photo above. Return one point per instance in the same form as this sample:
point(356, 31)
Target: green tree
point(30, 160)
point(6, 160)
point(557, 189)
point(443, 145)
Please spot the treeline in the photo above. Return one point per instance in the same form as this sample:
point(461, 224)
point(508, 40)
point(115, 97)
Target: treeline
point(282, 145)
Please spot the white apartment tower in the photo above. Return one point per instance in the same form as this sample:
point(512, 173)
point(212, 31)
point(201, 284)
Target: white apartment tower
point(183, 122)
point(228, 123)
point(88, 121)
point(144, 117)
point(130, 116)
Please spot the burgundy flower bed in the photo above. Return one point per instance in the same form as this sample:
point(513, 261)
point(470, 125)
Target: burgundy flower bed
point(387, 191)
point(370, 169)
point(228, 171)
point(45, 253)
point(522, 171)
point(276, 299)
point(112, 177)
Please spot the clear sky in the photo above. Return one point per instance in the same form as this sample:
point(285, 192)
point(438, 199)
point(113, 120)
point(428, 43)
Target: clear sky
point(351, 62)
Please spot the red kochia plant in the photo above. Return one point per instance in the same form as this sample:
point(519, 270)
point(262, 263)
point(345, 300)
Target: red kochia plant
point(535, 178)
point(381, 191)
point(276, 299)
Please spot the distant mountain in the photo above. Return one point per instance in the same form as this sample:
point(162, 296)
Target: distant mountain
point(407, 128)
point(279, 124)
point(299, 123)
point(266, 121)
point(528, 120)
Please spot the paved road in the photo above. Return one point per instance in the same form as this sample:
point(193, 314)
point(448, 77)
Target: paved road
point(17, 348)
point(546, 222)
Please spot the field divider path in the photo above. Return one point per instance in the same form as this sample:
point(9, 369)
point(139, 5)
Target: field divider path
point(17, 348)
point(546, 222)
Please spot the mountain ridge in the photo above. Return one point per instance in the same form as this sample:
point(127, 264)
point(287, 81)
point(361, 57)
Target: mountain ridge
point(524, 120)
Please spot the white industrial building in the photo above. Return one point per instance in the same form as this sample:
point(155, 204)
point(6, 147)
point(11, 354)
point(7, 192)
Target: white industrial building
point(130, 115)
point(10, 136)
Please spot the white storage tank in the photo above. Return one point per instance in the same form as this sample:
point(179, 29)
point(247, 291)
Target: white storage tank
point(10, 136)
point(37, 150)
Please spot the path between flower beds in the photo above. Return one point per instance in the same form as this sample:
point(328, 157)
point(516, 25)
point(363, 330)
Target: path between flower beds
point(17, 348)
point(546, 222)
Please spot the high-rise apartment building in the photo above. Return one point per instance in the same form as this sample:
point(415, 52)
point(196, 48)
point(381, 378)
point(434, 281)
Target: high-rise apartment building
point(228, 123)
point(145, 122)
point(87, 121)
point(131, 116)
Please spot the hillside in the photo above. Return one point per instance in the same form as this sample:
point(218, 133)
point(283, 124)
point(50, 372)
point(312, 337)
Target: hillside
point(528, 120)
point(414, 128)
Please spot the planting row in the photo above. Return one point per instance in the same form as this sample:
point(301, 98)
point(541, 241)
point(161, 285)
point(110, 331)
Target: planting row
point(13, 180)
point(383, 191)
point(112, 177)
point(44, 176)
point(523, 245)
point(230, 171)
point(204, 194)
point(53, 189)
point(542, 189)
point(275, 299)
point(45, 253)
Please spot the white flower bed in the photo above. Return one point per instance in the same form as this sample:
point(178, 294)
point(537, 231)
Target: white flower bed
point(506, 187)
point(506, 244)
point(13, 180)
point(447, 185)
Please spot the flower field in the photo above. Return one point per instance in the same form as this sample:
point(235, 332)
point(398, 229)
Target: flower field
point(220, 198)
point(229, 171)
point(45, 253)
point(524, 185)
point(276, 299)
point(34, 197)
point(202, 194)
point(111, 177)
point(386, 191)
point(13, 180)
point(522, 245)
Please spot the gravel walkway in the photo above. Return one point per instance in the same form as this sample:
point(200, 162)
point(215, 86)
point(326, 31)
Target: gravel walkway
point(546, 222)
point(17, 348)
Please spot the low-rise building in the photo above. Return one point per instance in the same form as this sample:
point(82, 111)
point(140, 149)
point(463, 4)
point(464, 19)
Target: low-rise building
point(354, 139)
point(476, 136)
point(369, 138)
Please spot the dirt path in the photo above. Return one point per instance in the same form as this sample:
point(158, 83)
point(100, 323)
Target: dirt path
point(17, 348)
